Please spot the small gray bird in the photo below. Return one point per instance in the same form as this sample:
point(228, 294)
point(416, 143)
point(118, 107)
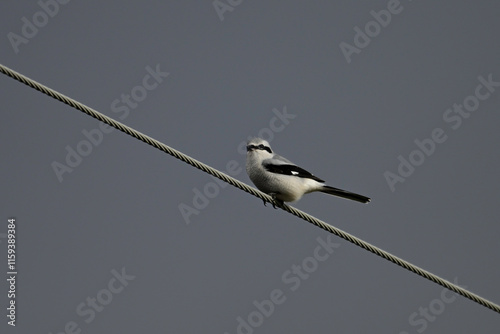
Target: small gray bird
point(282, 179)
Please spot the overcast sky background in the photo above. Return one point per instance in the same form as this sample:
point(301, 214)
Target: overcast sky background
point(348, 122)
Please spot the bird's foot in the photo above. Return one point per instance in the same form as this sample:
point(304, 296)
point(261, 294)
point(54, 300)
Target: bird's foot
point(276, 201)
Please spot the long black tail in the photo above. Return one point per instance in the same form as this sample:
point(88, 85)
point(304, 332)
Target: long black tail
point(345, 194)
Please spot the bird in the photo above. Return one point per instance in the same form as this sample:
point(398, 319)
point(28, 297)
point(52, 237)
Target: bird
point(283, 180)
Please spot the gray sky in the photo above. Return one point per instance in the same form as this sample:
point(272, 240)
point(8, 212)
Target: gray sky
point(396, 101)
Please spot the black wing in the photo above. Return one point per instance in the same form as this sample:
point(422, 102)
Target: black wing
point(290, 170)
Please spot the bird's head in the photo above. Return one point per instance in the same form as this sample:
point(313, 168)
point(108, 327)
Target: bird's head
point(260, 147)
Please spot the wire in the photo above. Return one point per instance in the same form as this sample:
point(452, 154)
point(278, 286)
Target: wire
point(232, 181)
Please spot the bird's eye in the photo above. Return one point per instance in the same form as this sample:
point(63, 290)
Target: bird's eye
point(261, 146)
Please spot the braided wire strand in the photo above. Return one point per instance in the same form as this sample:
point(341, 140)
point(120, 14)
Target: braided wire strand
point(240, 185)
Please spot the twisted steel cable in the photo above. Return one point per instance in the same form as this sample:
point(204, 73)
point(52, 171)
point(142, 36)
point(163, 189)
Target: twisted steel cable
point(232, 181)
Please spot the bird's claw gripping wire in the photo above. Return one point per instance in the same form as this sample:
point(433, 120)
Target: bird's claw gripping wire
point(275, 202)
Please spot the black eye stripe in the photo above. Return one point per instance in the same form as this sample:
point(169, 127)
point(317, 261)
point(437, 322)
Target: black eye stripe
point(268, 149)
point(259, 147)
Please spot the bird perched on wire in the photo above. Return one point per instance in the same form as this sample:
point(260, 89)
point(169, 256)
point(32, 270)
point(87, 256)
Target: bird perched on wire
point(283, 180)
